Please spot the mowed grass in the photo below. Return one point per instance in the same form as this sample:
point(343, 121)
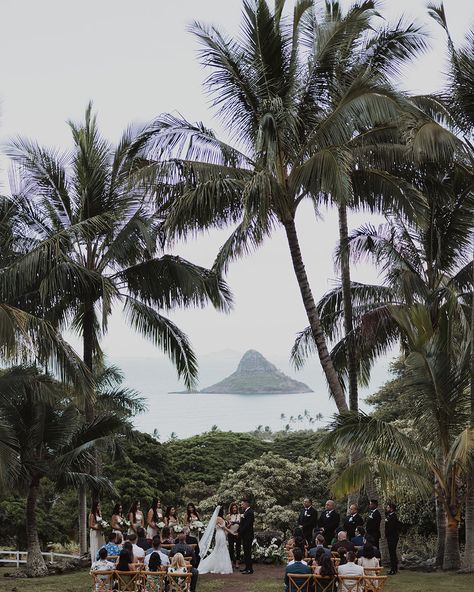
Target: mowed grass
point(404, 582)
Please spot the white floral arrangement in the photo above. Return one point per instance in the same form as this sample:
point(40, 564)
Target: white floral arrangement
point(160, 524)
point(198, 525)
point(124, 523)
point(272, 554)
point(102, 524)
point(177, 528)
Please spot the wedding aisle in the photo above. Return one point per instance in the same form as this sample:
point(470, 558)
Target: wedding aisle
point(266, 578)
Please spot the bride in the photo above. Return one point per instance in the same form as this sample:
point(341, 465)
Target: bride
point(218, 561)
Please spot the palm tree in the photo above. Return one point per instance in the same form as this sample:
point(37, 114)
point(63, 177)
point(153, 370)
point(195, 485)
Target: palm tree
point(460, 102)
point(43, 435)
point(295, 121)
point(438, 448)
point(95, 241)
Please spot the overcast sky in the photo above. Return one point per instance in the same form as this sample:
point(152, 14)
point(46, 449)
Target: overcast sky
point(136, 60)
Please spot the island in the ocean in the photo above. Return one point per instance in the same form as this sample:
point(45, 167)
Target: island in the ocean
point(256, 375)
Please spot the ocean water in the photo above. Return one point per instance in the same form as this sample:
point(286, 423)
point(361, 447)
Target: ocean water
point(189, 414)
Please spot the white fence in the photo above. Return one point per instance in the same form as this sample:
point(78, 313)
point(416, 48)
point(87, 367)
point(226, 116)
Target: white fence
point(18, 557)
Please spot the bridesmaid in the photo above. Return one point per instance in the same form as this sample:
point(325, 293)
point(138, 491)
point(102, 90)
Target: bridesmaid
point(135, 517)
point(171, 518)
point(191, 515)
point(153, 517)
point(117, 519)
point(96, 535)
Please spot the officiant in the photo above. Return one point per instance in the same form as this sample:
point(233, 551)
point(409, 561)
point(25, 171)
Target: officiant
point(308, 519)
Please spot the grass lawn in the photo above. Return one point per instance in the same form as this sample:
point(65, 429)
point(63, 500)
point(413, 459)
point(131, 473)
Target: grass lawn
point(404, 582)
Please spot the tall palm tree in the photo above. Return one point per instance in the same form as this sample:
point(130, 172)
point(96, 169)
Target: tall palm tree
point(438, 448)
point(294, 122)
point(43, 435)
point(459, 99)
point(94, 241)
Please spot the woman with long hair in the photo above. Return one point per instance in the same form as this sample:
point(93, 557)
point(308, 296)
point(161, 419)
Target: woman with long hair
point(218, 561)
point(191, 515)
point(125, 561)
point(153, 517)
point(135, 517)
point(233, 522)
point(166, 538)
point(368, 560)
point(116, 521)
point(95, 530)
point(328, 571)
point(171, 517)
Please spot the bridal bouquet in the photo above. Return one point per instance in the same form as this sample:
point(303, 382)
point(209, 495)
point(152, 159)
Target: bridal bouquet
point(177, 528)
point(160, 524)
point(198, 525)
point(124, 523)
point(102, 524)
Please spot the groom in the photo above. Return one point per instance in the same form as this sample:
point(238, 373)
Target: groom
point(246, 534)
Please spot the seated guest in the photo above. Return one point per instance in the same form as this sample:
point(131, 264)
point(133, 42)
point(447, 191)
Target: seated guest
point(182, 547)
point(191, 540)
point(297, 540)
point(137, 551)
point(111, 546)
point(178, 565)
point(319, 544)
point(142, 540)
point(342, 555)
point(119, 539)
point(342, 542)
point(368, 560)
point(156, 548)
point(153, 562)
point(358, 540)
point(166, 538)
point(369, 540)
point(327, 570)
point(125, 561)
point(102, 564)
point(297, 567)
point(316, 564)
point(350, 568)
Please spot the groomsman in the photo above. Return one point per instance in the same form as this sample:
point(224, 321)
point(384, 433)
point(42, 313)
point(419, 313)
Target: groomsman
point(308, 519)
point(392, 533)
point(352, 521)
point(328, 522)
point(246, 534)
point(372, 525)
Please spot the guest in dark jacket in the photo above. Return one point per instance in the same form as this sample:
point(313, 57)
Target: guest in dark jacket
point(342, 542)
point(142, 541)
point(191, 540)
point(358, 539)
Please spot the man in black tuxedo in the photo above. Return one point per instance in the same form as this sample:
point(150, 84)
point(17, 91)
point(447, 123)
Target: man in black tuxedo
point(352, 521)
point(246, 534)
point(308, 519)
point(328, 522)
point(372, 525)
point(392, 533)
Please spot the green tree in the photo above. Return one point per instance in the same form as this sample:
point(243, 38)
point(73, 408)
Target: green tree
point(95, 242)
point(43, 435)
point(274, 90)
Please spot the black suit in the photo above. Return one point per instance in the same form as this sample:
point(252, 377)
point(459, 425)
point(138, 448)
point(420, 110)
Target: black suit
point(246, 534)
point(329, 521)
point(372, 526)
point(308, 519)
point(392, 533)
point(351, 522)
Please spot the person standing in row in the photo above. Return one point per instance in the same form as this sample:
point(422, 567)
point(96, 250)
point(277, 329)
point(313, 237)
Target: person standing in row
point(233, 520)
point(246, 534)
point(328, 522)
point(372, 525)
point(308, 519)
point(352, 521)
point(392, 534)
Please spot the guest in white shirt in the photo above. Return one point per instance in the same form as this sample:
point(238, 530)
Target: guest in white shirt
point(138, 552)
point(156, 549)
point(351, 569)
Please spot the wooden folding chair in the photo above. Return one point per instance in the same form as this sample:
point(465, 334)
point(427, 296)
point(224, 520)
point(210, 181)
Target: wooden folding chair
point(351, 583)
point(179, 582)
point(373, 571)
point(102, 580)
point(153, 581)
point(374, 583)
point(128, 581)
point(300, 582)
point(325, 583)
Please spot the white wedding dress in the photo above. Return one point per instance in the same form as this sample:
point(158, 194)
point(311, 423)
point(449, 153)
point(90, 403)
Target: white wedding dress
point(218, 561)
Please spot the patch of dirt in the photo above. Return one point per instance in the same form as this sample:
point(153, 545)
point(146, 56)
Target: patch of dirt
point(238, 582)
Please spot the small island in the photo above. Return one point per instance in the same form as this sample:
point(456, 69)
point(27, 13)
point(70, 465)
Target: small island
point(256, 375)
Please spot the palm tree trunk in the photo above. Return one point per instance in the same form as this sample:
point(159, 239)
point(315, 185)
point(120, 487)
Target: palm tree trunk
point(452, 556)
point(88, 355)
point(313, 317)
point(347, 303)
point(468, 560)
point(441, 532)
point(35, 564)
